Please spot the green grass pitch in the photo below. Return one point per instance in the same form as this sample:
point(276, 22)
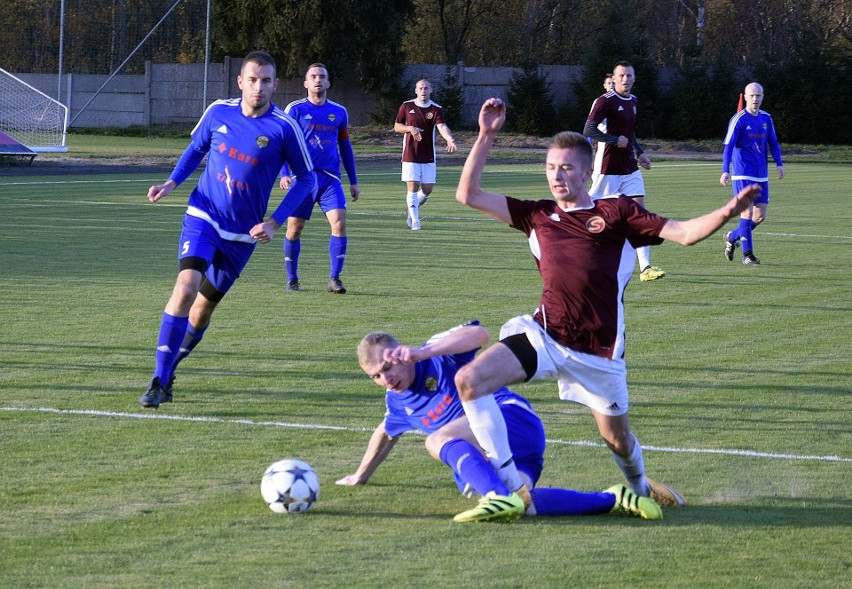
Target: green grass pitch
point(740, 388)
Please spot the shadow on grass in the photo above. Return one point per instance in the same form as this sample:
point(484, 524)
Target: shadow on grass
point(786, 513)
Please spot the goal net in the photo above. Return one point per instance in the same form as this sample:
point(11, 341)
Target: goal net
point(31, 116)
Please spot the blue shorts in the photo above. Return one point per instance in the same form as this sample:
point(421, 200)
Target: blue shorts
point(526, 440)
point(764, 189)
point(330, 196)
point(225, 259)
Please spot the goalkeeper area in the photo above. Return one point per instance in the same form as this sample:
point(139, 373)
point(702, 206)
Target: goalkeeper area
point(30, 118)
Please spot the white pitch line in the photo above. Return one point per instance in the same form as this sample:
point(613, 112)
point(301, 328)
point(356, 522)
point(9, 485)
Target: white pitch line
point(49, 182)
point(748, 453)
point(97, 413)
point(770, 233)
point(532, 165)
point(283, 424)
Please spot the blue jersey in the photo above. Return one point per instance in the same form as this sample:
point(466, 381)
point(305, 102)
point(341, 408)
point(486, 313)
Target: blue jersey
point(432, 401)
point(244, 157)
point(326, 130)
point(749, 141)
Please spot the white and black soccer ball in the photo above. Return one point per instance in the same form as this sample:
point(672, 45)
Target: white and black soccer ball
point(290, 486)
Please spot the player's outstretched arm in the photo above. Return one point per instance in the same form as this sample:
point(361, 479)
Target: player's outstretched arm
point(694, 230)
point(378, 449)
point(492, 115)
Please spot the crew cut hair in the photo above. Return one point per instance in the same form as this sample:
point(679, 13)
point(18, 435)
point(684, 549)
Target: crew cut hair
point(260, 58)
point(572, 140)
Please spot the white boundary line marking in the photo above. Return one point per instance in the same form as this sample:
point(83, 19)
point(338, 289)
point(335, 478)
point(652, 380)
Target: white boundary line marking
point(534, 165)
point(142, 203)
point(97, 413)
point(283, 424)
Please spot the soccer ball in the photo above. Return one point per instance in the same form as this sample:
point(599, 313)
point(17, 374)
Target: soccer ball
point(290, 486)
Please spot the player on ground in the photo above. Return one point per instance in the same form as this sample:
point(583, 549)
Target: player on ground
point(246, 140)
point(750, 139)
point(612, 123)
point(326, 127)
point(417, 120)
point(421, 395)
point(584, 251)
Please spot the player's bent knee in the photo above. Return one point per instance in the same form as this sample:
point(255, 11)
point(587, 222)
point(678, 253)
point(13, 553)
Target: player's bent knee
point(434, 444)
point(465, 383)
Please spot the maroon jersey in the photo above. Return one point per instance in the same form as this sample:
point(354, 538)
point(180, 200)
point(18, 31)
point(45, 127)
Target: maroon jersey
point(615, 115)
point(585, 258)
point(423, 117)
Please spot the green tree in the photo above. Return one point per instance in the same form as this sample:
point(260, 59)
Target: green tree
point(357, 39)
point(807, 103)
point(531, 103)
point(450, 95)
point(702, 101)
point(605, 50)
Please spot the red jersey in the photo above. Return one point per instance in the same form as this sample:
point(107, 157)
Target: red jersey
point(616, 116)
point(585, 258)
point(423, 117)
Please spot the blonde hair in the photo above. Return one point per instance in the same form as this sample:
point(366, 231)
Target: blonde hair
point(371, 341)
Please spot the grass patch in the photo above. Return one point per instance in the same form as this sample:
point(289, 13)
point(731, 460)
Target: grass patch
point(738, 377)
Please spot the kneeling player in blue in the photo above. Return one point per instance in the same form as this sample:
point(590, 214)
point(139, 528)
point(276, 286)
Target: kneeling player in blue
point(421, 395)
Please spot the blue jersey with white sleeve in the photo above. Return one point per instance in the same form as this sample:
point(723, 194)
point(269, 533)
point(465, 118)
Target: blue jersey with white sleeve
point(326, 130)
point(748, 143)
point(244, 157)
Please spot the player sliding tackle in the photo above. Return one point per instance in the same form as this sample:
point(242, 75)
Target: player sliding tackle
point(421, 395)
point(584, 250)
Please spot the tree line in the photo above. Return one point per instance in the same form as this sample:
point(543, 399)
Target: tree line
point(800, 50)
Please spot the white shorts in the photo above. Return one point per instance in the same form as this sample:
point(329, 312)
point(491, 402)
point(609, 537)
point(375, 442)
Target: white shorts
point(631, 185)
point(598, 383)
point(423, 173)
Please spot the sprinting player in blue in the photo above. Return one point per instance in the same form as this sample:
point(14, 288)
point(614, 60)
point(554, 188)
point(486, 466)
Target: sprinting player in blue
point(246, 140)
point(421, 395)
point(751, 138)
point(326, 127)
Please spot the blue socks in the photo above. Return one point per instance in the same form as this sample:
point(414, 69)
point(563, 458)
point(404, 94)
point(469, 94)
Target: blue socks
point(172, 331)
point(472, 467)
point(743, 233)
point(550, 501)
point(292, 249)
point(190, 340)
point(336, 254)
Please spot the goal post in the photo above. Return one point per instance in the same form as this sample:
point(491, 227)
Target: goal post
point(30, 116)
